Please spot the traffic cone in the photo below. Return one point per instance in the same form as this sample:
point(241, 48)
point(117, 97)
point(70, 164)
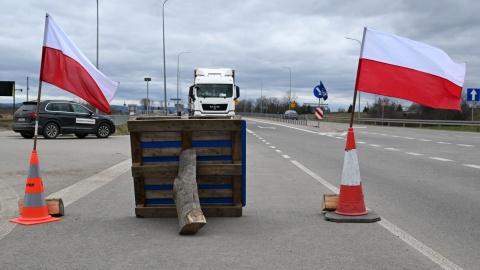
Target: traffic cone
point(35, 209)
point(351, 206)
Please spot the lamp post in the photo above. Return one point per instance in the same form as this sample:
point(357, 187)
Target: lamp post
point(14, 100)
point(164, 68)
point(261, 96)
point(148, 100)
point(290, 93)
point(358, 92)
point(178, 76)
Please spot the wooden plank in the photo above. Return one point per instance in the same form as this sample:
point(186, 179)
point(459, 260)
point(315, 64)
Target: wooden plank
point(139, 187)
point(202, 193)
point(211, 135)
point(219, 169)
point(161, 152)
point(202, 169)
point(160, 136)
point(237, 146)
point(190, 124)
point(201, 180)
point(237, 189)
point(186, 139)
point(330, 202)
point(135, 146)
point(171, 211)
point(214, 151)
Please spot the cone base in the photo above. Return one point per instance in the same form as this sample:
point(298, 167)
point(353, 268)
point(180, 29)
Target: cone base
point(34, 221)
point(370, 217)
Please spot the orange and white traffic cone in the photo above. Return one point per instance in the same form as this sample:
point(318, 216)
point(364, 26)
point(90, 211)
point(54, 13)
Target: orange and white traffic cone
point(351, 206)
point(35, 209)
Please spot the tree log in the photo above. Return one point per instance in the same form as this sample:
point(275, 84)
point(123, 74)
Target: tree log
point(185, 194)
point(330, 202)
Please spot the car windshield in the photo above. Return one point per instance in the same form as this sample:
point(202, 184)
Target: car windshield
point(27, 108)
point(215, 90)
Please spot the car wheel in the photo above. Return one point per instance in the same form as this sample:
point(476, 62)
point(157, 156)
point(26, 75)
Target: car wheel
point(51, 131)
point(27, 135)
point(103, 131)
point(80, 135)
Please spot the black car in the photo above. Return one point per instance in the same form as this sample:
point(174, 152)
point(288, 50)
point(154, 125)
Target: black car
point(60, 117)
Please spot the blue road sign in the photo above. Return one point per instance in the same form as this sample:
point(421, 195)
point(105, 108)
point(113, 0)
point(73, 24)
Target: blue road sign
point(473, 94)
point(317, 91)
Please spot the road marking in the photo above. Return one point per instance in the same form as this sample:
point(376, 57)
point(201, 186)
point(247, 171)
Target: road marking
point(440, 159)
point(472, 166)
point(443, 142)
point(81, 189)
point(285, 156)
point(271, 146)
point(267, 127)
point(278, 151)
point(410, 240)
point(409, 138)
point(425, 140)
point(466, 145)
point(267, 143)
point(392, 149)
point(8, 208)
point(394, 136)
point(413, 154)
point(375, 145)
point(361, 142)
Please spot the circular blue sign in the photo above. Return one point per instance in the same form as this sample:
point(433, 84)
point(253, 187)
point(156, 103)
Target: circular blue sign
point(317, 91)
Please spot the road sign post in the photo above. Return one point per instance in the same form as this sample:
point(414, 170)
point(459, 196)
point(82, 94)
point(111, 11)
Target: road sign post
point(318, 115)
point(473, 94)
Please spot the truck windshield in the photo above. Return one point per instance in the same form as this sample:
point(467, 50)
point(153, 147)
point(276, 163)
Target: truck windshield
point(215, 90)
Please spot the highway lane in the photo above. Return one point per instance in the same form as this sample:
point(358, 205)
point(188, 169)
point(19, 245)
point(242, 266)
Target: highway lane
point(282, 226)
point(416, 179)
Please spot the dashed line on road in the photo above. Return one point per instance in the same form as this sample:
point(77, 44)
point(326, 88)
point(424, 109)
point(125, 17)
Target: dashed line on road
point(472, 166)
point(465, 145)
point(444, 143)
point(285, 156)
point(392, 149)
point(414, 154)
point(441, 159)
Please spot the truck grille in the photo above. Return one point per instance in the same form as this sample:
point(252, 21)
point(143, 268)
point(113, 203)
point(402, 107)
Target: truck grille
point(214, 107)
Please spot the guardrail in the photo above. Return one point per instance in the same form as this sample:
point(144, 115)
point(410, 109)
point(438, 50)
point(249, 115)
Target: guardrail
point(302, 119)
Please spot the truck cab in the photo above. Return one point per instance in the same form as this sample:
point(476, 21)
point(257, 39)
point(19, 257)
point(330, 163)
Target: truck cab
point(214, 92)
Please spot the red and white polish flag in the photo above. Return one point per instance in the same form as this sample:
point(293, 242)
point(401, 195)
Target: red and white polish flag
point(403, 68)
point(66, 67)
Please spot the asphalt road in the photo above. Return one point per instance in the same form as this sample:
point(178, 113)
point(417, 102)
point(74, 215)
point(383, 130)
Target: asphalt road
point(417, 182)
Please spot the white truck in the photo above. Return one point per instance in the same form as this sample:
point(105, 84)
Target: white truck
point(214, 92)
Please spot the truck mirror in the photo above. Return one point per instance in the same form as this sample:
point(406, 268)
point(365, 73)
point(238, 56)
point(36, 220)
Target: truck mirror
point(190, 92)
point(237, 89)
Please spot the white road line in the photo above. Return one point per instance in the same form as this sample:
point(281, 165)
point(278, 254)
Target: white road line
point(394, 136)
point(441, 159)
point(81, 189)
point(444, 143)
point(285, 156)
point(414, 154)
point(271, 146)
point(409, 138)
point(472, 166)
point(279, 151)
point(392, 149)
point(410, 240)
point(361, 142)
point(425, 140)
point(267, 143)
point(466, 145)
point(375, 145)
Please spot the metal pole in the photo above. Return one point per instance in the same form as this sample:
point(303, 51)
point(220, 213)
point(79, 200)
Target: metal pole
point(290, 93)
point(148, 99)
point(27, 88)
point(178, 74)
point(96, 110)
point(358, 92)
point(261, 95)
point(164, 67)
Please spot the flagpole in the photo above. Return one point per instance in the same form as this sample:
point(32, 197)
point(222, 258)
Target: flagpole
point(37, 116)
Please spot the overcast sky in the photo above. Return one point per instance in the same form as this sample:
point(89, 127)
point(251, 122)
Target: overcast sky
point(255, 37)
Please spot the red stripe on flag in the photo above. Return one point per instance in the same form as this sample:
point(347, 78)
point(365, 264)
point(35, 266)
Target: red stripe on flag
point(66, 73)
point(394, 81)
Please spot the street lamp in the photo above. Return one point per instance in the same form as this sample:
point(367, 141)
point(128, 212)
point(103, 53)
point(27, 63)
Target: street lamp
point(148, 100)
point(178, 75)
point(14, 100)
point(261, 96)
point(164, 68)
point(290, 93)
point(359, 91)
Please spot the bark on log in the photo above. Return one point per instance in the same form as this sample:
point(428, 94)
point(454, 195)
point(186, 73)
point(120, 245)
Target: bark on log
point(185, 194)
point(330, 202)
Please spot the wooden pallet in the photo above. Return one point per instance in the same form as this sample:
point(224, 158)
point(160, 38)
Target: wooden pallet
point(156, 144)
